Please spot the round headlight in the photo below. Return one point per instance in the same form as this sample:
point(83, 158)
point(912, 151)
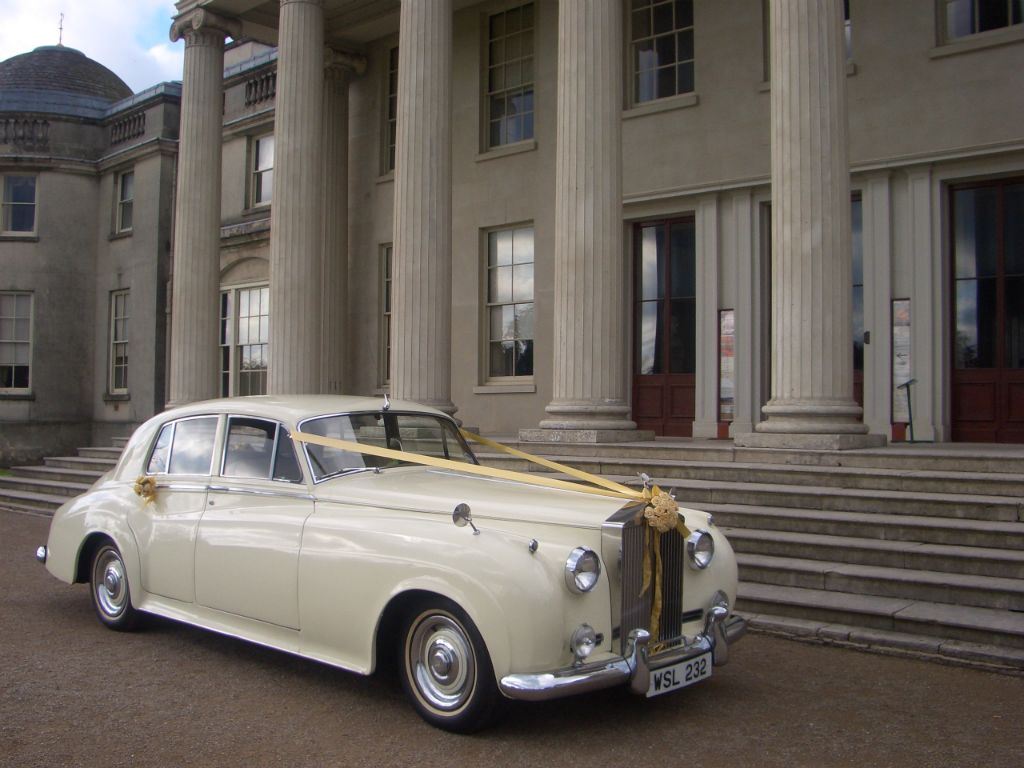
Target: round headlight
point(701, 549)
point(582, 570)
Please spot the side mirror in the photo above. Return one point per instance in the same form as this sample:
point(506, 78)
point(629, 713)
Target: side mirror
point(462, 516)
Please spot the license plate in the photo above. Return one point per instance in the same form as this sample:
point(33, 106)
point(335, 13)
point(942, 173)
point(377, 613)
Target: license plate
point(679, 675)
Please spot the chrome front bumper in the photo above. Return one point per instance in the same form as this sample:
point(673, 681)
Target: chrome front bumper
point(634, 667)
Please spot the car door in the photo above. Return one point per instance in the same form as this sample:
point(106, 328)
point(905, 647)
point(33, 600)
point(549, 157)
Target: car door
point(165, 527)
point(247, 548)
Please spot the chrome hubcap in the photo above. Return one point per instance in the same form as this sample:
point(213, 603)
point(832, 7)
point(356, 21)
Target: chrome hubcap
point(442, 662)
point(111, 587)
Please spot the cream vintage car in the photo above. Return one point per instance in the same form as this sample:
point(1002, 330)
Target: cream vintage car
point(481, 586)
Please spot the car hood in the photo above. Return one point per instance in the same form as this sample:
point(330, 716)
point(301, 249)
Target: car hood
point(440, 490)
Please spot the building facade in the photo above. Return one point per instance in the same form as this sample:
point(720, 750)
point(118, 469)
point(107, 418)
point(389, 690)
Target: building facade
point(609, 219)
point(87, 176)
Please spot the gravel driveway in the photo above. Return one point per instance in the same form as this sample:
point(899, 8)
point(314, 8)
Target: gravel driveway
point(76, 694)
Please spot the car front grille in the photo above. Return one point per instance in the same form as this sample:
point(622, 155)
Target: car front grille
point(636, 608)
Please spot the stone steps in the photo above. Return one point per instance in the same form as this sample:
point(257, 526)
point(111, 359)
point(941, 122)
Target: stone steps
point(941, 558)
point(862, 478)
point(957, 622)
point(927, 586)
point(985, 459)
point(699, 491)
point(42, 489)
point(53, 487)
point(872, 525)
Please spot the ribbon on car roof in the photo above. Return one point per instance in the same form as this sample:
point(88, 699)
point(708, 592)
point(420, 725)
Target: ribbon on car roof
point(661, 514)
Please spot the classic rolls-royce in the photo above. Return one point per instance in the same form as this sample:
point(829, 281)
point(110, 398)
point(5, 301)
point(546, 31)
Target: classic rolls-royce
point(355, 530)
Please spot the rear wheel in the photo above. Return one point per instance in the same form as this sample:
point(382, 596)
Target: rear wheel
point(446, 671)
point(109, 588)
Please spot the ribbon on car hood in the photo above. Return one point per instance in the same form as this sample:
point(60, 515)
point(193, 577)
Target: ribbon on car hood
point(661, 513)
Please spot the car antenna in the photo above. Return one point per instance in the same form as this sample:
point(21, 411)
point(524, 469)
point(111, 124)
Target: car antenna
point(387, 402)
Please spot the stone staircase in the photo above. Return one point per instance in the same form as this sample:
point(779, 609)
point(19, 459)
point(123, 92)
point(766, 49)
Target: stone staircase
point(916, 549)
point(42, 489)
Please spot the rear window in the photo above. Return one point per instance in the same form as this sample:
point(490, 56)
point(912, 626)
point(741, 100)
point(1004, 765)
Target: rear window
point(184, 447)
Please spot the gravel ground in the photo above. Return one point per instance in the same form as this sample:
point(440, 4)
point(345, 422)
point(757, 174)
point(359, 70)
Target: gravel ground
point(76, 694)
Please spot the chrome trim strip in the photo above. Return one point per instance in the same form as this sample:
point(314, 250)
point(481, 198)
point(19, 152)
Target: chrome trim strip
point(203, 487)
point(260, 492)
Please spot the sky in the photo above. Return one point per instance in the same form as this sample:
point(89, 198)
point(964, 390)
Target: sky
point(129, 37)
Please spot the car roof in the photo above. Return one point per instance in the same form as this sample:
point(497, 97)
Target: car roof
point(293, 408)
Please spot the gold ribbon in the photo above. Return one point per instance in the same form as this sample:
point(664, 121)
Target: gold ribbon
point(145, 486)
point(660, 515)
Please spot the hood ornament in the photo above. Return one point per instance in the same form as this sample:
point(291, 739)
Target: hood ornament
point(387, 402)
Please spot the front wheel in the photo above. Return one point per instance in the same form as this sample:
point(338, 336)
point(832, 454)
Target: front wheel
point(446, 671)
point(109, 588)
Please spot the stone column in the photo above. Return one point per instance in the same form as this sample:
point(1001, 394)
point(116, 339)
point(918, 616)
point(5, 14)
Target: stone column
point(812, 331)
point(338, 70)
point(421, 288)
point(296, 225)
point(590, 312)
point(194, 362)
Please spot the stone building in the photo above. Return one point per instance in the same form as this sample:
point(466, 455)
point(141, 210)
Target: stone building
point(557, 217)
point(603, 219)
point(87, 178)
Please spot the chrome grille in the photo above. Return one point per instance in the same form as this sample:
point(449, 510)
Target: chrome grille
point(636, 609)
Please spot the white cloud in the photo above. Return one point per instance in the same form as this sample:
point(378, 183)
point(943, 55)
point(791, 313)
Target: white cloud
point(130, 38)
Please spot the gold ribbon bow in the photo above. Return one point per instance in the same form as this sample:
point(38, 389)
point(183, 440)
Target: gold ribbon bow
point(659, 517)
point(145, 486)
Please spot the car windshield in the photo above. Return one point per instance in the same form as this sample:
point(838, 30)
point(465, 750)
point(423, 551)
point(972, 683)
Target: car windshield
point(413, 432)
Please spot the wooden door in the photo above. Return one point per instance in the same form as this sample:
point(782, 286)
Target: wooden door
point(664, 316)
point(987, 236)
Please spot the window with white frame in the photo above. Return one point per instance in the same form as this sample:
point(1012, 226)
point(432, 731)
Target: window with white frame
point(118, 379)
point(661, 48)
point(391, 116)
point(969, 17)
point(509, 76)
point(15, 342)
point(18, 214)
point(125, 200)
point(262, 181)
point(510, 303)
point(244, 340)
point(386, 267)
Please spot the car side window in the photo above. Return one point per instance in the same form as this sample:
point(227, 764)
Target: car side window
point(260, 449)
point(249, 451)
point(192, 447)
point(286, 464)
point(158, 459)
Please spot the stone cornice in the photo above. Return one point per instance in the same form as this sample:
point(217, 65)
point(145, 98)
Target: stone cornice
point(192, 24)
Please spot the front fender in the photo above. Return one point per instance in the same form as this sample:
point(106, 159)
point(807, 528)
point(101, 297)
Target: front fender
point(352, 565)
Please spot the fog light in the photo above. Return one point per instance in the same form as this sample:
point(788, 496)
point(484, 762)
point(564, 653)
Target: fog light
point(701, 549)
point(583, 641)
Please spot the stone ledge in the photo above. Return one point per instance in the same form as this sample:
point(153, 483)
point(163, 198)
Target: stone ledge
point(992, 658)
point(584, 435)
point(809, 441)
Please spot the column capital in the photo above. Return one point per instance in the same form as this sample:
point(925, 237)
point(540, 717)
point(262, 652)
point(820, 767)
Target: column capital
point(340, 64)
point(203, 27)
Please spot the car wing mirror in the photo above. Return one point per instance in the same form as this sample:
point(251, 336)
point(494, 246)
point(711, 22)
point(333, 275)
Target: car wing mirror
point(462, 516)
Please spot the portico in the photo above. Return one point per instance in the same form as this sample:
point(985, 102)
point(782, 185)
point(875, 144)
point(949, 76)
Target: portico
point(397, 169)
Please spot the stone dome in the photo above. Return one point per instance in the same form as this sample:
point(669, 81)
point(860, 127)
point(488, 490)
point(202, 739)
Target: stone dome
point(57, 68)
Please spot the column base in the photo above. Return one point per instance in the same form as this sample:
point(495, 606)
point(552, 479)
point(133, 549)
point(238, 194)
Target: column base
point(586, 422)
point(824, 425)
